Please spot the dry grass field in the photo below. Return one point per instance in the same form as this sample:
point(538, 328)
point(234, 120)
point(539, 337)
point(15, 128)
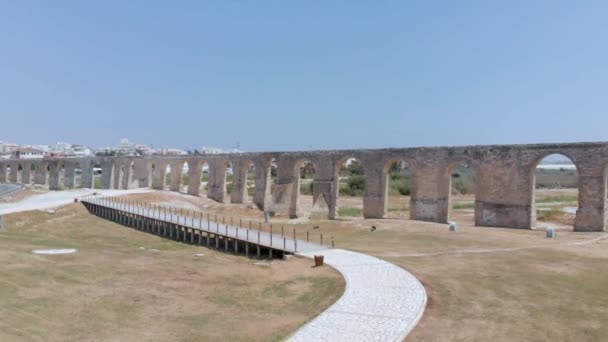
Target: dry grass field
point(125, 285)
point(483, 283)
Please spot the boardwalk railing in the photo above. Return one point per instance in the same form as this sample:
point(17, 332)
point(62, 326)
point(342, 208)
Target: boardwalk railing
point(194, 228)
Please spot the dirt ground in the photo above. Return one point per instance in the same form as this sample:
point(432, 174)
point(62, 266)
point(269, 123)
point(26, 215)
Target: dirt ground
point(125, 285)
point(483, 283)
point(23, 194)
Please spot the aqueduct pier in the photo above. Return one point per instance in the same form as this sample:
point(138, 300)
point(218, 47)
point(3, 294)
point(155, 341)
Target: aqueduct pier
point(504, 176)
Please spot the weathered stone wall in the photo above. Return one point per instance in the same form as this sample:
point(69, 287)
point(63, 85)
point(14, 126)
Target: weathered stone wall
point(504, 178)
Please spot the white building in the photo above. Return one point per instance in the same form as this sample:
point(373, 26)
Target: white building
point(28, 153)
point(125, 147)
point(81, 151)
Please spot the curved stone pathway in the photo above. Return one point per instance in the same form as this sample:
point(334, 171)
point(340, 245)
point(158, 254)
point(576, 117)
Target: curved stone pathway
point(382, 302)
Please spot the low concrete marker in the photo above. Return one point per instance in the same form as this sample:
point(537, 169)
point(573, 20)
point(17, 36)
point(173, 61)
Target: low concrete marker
point(453, 226)
point(550, 232)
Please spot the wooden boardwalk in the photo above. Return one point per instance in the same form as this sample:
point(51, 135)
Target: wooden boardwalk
point(197, 228)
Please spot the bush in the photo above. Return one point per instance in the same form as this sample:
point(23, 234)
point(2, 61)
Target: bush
point(355, 186)
point(399, 183)
point(552, 214)
point(306, 188)
point(229, 188)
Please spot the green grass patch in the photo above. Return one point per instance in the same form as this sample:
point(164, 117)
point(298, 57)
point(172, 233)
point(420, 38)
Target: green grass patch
point(559, 198)
point(350, 211)
point(463, 205)
point(552, 214)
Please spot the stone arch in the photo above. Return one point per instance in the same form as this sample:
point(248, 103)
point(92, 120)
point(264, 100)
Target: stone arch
point(228, 173)
point(461, 182)
point(131, 179)
point(544, 193)
point(97, 175)
point(11, 172)
point(78, 174)
point(199, 181)
point(349, 187)
point(167, 175)
point(305, 170)
point(62, 171)
point(151, 174)
point(20, 173)
point(121, 176)
point(47, 173)
point(397, 185)
point(183, 177)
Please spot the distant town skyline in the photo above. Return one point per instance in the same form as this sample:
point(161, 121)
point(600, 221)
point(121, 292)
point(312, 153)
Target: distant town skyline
point(301, 76)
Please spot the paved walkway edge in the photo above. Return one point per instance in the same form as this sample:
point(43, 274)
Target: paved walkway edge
point(381, 302)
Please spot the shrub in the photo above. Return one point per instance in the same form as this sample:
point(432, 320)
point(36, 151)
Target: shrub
point(306, 188)
point(552, 214)
point(355, 186)
point(399, 183)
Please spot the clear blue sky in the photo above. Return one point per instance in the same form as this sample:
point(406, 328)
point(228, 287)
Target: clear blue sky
point(285, 75)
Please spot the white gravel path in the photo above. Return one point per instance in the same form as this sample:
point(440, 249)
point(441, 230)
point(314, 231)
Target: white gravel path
point(53, 199)
point(382, 302)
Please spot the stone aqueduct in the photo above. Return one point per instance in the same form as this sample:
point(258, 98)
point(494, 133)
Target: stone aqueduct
point(504, 176)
